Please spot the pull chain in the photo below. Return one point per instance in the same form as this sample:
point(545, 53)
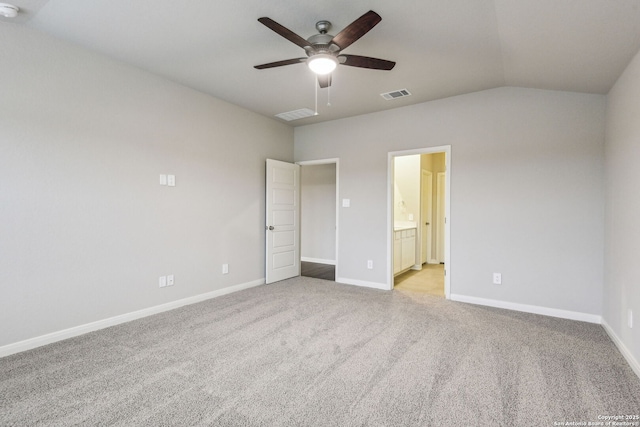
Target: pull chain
point(316, 83)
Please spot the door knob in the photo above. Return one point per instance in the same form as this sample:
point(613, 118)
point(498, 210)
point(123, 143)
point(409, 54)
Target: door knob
point(271, 227)
point(426, 223)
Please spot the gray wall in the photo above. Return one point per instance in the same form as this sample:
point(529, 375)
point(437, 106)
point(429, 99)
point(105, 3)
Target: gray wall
point(526, 191)
point(85, 227)
point(622, 269)
point(318, 212)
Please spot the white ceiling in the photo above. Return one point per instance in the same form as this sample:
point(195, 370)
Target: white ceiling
point(442, 47)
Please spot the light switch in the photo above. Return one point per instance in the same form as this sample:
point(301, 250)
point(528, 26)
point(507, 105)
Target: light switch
point(163, 281)
point(346, 203)
point(171, 180)
point(170, 280)
point(163, 179)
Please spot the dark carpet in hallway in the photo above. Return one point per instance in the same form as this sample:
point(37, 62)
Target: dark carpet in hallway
point(318, 271)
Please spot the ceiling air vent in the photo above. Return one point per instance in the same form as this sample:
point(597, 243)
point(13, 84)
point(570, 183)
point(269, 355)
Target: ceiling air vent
point(296, 114)
point(395, 94)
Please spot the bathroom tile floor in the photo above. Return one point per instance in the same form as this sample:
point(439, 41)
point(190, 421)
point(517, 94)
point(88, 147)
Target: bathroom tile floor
point(429, 280)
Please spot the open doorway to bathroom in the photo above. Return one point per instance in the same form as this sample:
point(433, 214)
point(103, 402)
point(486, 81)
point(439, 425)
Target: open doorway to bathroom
point(419, 221)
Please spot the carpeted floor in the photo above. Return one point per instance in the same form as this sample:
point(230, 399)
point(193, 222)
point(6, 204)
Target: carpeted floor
point(309, 352)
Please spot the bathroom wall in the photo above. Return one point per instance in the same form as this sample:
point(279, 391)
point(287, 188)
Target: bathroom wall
point(407, 188)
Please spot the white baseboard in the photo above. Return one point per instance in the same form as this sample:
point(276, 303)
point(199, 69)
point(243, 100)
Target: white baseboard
point(318, 260)
point(363, 283)
point(535, 309)
point(635, 365)
point(123, 318)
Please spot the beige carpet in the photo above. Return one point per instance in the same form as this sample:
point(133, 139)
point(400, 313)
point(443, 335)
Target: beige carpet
point(429, 280)
point(310, 352)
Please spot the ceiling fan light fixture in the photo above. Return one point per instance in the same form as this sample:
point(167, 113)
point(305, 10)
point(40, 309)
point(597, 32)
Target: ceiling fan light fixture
point(322, 63)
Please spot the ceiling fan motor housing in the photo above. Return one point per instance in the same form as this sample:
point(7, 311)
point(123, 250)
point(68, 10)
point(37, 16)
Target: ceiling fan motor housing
point(321, 43)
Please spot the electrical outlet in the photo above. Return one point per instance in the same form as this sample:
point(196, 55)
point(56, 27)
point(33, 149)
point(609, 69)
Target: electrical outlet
point(170, 280)
point(630, 318)
point(225, 268)
point(171, 180)
point(162, 282)
point(370, 264)
point(497, 278)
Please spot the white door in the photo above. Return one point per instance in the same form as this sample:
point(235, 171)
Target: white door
point(283, 221)
point(427, 215)
point(440, 215)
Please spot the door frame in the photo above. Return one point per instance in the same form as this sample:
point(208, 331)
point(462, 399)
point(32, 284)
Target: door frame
point(335, 161)
point(447, 239)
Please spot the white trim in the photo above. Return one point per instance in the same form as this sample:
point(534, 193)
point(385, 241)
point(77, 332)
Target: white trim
point(363, 283)
point(318, 162)
point(447, 231)
point(635, 365)
point(116, 320)
point(337, 163)
point(318, 260)
point(433, 261)
point(535, 309)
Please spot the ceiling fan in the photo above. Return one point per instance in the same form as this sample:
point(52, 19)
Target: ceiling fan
point(324, 50)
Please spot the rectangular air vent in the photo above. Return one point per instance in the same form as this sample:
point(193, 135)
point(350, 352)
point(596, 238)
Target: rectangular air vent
point(296, 114)
point(395, 94)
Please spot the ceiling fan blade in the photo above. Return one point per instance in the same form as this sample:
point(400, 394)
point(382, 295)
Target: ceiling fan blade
point(356, 29)
point(324, 81)
point(366, 62)
point(284, 32)
point(280, 63)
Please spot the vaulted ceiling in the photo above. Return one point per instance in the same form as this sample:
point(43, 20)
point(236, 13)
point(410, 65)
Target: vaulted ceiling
point(442, 48)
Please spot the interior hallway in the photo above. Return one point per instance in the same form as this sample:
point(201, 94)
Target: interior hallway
point(318, 271)
point(429, 280)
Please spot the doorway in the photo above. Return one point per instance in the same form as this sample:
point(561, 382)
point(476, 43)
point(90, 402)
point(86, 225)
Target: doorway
point(419, 220)
point(319, 219)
